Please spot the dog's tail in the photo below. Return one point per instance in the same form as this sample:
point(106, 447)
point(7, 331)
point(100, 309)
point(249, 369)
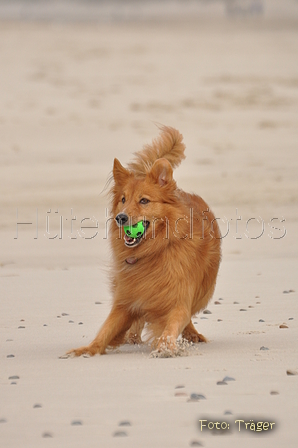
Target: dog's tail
point(168, 145)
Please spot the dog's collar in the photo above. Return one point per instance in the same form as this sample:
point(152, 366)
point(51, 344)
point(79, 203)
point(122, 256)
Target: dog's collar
point(131, 260)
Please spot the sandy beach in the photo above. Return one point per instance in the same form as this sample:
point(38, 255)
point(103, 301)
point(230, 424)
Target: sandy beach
point(74, 95)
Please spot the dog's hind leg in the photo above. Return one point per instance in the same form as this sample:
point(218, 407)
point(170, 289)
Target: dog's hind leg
point(191, 335)
point(133, 335)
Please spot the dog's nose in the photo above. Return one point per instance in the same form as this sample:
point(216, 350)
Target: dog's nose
point(121, 219)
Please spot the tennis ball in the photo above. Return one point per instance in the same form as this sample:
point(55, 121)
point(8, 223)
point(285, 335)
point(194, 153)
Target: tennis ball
point(134, 231)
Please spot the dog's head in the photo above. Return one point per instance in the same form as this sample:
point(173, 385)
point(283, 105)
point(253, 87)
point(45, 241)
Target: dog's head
point(143, 198)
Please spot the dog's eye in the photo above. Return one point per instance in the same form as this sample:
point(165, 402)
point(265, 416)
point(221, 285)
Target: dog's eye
point(123, 200)
point(144, 201)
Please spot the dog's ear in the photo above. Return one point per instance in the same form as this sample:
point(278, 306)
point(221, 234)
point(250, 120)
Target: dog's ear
point(162, 172)
point(120, 174)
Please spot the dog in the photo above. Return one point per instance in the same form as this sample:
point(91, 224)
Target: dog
point(168, 274)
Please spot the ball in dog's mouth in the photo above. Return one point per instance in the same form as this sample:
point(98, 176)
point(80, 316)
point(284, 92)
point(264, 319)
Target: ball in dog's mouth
point(131, 242)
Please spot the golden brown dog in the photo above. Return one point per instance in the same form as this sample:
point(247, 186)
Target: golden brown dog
point(168, 274)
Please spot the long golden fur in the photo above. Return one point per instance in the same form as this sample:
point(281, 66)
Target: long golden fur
point(169, 274)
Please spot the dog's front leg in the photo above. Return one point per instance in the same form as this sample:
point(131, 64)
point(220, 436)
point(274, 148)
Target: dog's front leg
point(118, 321)
point(176, 322)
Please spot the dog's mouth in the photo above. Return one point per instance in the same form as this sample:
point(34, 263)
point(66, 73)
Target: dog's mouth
point(131, 242)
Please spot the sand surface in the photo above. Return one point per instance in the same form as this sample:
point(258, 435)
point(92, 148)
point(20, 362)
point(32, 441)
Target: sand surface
point(73, 97)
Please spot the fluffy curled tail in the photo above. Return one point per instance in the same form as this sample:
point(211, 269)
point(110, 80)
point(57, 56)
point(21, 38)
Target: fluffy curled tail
point(168, 145)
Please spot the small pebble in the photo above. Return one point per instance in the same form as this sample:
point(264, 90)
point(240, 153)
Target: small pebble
point(45, 325)
point(3, 420)
point(258, 303)
point(9, 340)
point(291, 318)
point(13, 382)
point(250, 306)
point(71, 322)
point(274, 392)
point(10, 356)
point(76, 423)
point(203, 317)
point(207, 312)
point(261, 320)
point(242, 309)
point(124, 423)
point(235, 303)
point(228, 413)
point(181, 394)
point(22, 320)
point(37, 406)
point(264, 348)
point(97, 303)
point(195, 443)
point(221, 383)
point(47, 435)
point(80, 323)
point(64, 314)
point(219, 320)
point(197, 397)
point(180, 386)
point(21, 326)
point(217, 302)
point(283, 326)
point(292, 372)
point(288, 291)
point(220, 298)
point(120, 434)
point(14, 377)
point(228, 378)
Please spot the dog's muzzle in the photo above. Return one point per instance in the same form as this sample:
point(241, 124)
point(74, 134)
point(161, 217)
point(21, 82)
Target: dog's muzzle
point(121, 219)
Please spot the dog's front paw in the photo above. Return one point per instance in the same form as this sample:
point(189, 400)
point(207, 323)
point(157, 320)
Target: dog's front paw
point(167, 345)
point(165, 348)
point(88, 350)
